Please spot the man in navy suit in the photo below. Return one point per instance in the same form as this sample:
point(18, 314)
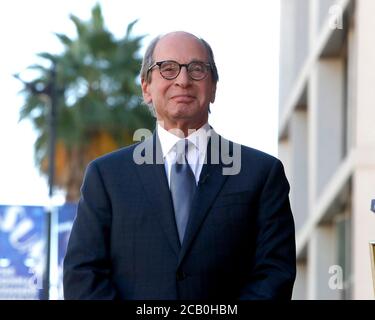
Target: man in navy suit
point(184, 214)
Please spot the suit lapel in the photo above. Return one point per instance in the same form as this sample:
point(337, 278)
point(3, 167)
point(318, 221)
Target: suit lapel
point(210, 183)
point(155, 183)
point(153, 177)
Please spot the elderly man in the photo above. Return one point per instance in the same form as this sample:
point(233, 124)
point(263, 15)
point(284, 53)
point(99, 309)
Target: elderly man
point(183, 223)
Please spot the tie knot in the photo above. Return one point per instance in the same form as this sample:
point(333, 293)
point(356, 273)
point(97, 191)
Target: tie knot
point(181, 148)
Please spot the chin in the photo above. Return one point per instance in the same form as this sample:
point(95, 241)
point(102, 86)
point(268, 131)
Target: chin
point(183, 110)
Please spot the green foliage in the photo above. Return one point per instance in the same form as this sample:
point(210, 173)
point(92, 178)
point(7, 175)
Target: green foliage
point(96, 86)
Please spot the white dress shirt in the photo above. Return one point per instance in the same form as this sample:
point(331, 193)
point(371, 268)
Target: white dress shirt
point(197, 149)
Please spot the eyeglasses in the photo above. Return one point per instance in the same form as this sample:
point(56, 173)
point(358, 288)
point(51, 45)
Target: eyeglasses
point(169, 69)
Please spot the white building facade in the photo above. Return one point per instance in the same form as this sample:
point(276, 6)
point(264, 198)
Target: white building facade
point(327, 142)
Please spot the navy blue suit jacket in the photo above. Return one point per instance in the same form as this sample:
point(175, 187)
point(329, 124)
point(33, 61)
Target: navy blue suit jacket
point(239, 242)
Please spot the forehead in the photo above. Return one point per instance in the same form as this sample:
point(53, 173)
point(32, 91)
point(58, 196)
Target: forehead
point(180, 47)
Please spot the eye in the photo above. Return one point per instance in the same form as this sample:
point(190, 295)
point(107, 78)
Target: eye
point(169, 67)
point(197, 67)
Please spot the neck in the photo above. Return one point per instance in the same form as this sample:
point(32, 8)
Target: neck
point(181, 129)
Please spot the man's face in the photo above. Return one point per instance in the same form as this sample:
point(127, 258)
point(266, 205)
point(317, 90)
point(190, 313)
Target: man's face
point(181, 102)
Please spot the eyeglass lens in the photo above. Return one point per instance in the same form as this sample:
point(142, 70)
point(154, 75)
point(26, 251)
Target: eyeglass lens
point(171, 69)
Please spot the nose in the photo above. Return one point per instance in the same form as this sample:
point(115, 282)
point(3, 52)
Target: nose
point(183, 79)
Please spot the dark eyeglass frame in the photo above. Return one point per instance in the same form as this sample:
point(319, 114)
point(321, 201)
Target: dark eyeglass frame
point(180, 65)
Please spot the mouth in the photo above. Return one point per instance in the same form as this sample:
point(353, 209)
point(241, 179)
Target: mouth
point(183, 98)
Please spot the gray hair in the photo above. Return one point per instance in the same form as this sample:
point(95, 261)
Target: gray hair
point(148, 61)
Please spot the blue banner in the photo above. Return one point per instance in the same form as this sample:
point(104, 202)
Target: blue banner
point(66, 215)
point(22, 252)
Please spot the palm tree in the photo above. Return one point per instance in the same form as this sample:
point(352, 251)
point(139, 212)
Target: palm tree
point(98, 99)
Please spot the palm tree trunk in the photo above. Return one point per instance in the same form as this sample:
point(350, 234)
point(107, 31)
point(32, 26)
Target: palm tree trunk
point(75, 173)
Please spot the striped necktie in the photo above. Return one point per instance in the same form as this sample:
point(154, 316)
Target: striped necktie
point(182, 187)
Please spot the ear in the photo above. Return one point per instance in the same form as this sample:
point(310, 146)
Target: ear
point(213, 93)
point(146, 91)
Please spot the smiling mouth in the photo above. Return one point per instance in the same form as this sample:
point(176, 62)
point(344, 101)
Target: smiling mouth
point(183, 98)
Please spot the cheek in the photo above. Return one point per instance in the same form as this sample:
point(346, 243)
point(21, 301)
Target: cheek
point(161, 92)
point(212, 93)
point(209, 94)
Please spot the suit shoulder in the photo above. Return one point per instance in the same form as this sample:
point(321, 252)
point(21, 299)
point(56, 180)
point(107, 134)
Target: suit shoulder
point(248, 153)
point(122, 155)
point(265, 165)
point(249, 157)
point(257, 155)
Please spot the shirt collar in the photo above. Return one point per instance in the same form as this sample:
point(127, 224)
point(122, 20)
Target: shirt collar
point(199, 138)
